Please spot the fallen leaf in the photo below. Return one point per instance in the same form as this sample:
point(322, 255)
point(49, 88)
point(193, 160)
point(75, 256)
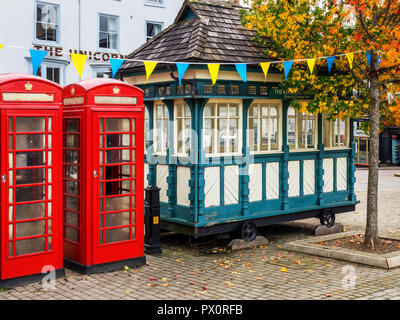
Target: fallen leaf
point(164, 279)
point(283, 269)
point(298, 261)
point(153, 279)
point(166, 285)
point(151, 284)
point(127, 291)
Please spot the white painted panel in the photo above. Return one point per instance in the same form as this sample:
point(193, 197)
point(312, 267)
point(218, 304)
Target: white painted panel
point(211, 187)
point(255, 183)
point(162, 175)
point(231, 184)
point(341, 166)
point(272, 180)
point(182, 187)
point(309, 177)
point(328, 174)
point(146, 172)
point(294, 178)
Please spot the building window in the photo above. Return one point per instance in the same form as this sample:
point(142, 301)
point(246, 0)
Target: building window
point(152, 29)
point(161, 129)
point(264, 127)
point(52, 73)
point(183, 128)
point(335, 133)
point(108, 32)
point(146, 129)
point(47, 24)
point(301, 130)
point(221, 128)
point(155, 2)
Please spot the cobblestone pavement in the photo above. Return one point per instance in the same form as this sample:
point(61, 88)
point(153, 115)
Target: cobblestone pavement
point(195, 272)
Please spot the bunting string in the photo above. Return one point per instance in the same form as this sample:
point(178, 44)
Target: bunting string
point(79, 61)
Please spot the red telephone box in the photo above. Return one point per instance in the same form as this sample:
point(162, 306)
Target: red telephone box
point(30, 164)
point(103, 175)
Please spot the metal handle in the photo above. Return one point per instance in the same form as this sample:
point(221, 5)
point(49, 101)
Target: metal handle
point(95, 173)
point(4, 178)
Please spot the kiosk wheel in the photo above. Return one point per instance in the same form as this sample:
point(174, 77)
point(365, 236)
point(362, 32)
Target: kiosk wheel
point(248, 231)
point(327, 218)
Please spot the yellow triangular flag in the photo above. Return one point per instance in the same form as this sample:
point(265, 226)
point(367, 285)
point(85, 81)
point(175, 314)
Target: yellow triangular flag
point(311, 64)
point(149, 67)
point(213, 68)
point(265, 68)
point(79, 61)
point(350, 57)
point(1, 46)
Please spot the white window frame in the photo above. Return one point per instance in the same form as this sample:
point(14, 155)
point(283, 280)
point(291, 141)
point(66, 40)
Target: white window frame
point(58, 31)
point(164, 140)
point(118, 32)
point(154, 22)
point(180, 103)
point(332, 124)
point(297, 117)
point(155, 3)
point(43, 70)
point(269, 103)
point(215, 118)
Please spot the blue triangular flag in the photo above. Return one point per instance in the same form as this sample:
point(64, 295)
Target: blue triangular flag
point(330, 61)
point(115, 65)
point(287, 65)
point(368, 54)
point(182, 67)
point(241, 68)
point(37, 57)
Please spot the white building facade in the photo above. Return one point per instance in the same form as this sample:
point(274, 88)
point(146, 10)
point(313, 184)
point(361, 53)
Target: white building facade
point(101, 29)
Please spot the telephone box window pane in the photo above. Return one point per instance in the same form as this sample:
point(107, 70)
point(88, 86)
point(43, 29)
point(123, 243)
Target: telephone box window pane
point(30, 246)
point(50, 124)
point(117, 235)
point(71, 172)
point(117, 187)
point(10, 195)
point(31, 228)
point(117, 219)
point(71, 218)
point(71, 187)
point(117, 203)
point(30, 176)
point(30, 124)
point(30, 141)
point(71, 125)
point(50, 175)
point(50, 141)
point(49, 226)
point(133, 233)
point(71, 234)
point(35, 193)
point(10, 142)
point(117, 156)
point(11, 160)
point(117, 125)
point(30, 211)
point(10, 249)
point(71, 141)
point(10, 213)
point(71, 203)
point(10, 124)
point(117, 140)
point(10, 178)
point(10, 231)
point(50, 209)
point(30, 159)
point(50, 243)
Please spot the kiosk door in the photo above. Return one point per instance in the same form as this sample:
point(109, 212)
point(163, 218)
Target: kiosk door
point(28, 178)
point(115, 174)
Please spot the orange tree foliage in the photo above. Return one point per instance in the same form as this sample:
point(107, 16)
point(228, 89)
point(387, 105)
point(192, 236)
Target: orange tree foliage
point(305, 29)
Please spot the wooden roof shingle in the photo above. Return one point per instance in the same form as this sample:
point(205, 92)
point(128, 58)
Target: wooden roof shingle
point(212, 33)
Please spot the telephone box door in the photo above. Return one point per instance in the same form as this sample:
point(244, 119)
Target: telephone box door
point(29, 175)
point(118, 186)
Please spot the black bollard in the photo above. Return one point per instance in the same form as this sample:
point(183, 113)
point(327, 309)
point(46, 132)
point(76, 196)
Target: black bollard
point(152, 242)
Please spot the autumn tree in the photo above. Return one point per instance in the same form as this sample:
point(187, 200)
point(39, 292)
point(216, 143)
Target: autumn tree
point(365, 83)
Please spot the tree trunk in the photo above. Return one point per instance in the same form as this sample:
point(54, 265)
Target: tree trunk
point(371, 231)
